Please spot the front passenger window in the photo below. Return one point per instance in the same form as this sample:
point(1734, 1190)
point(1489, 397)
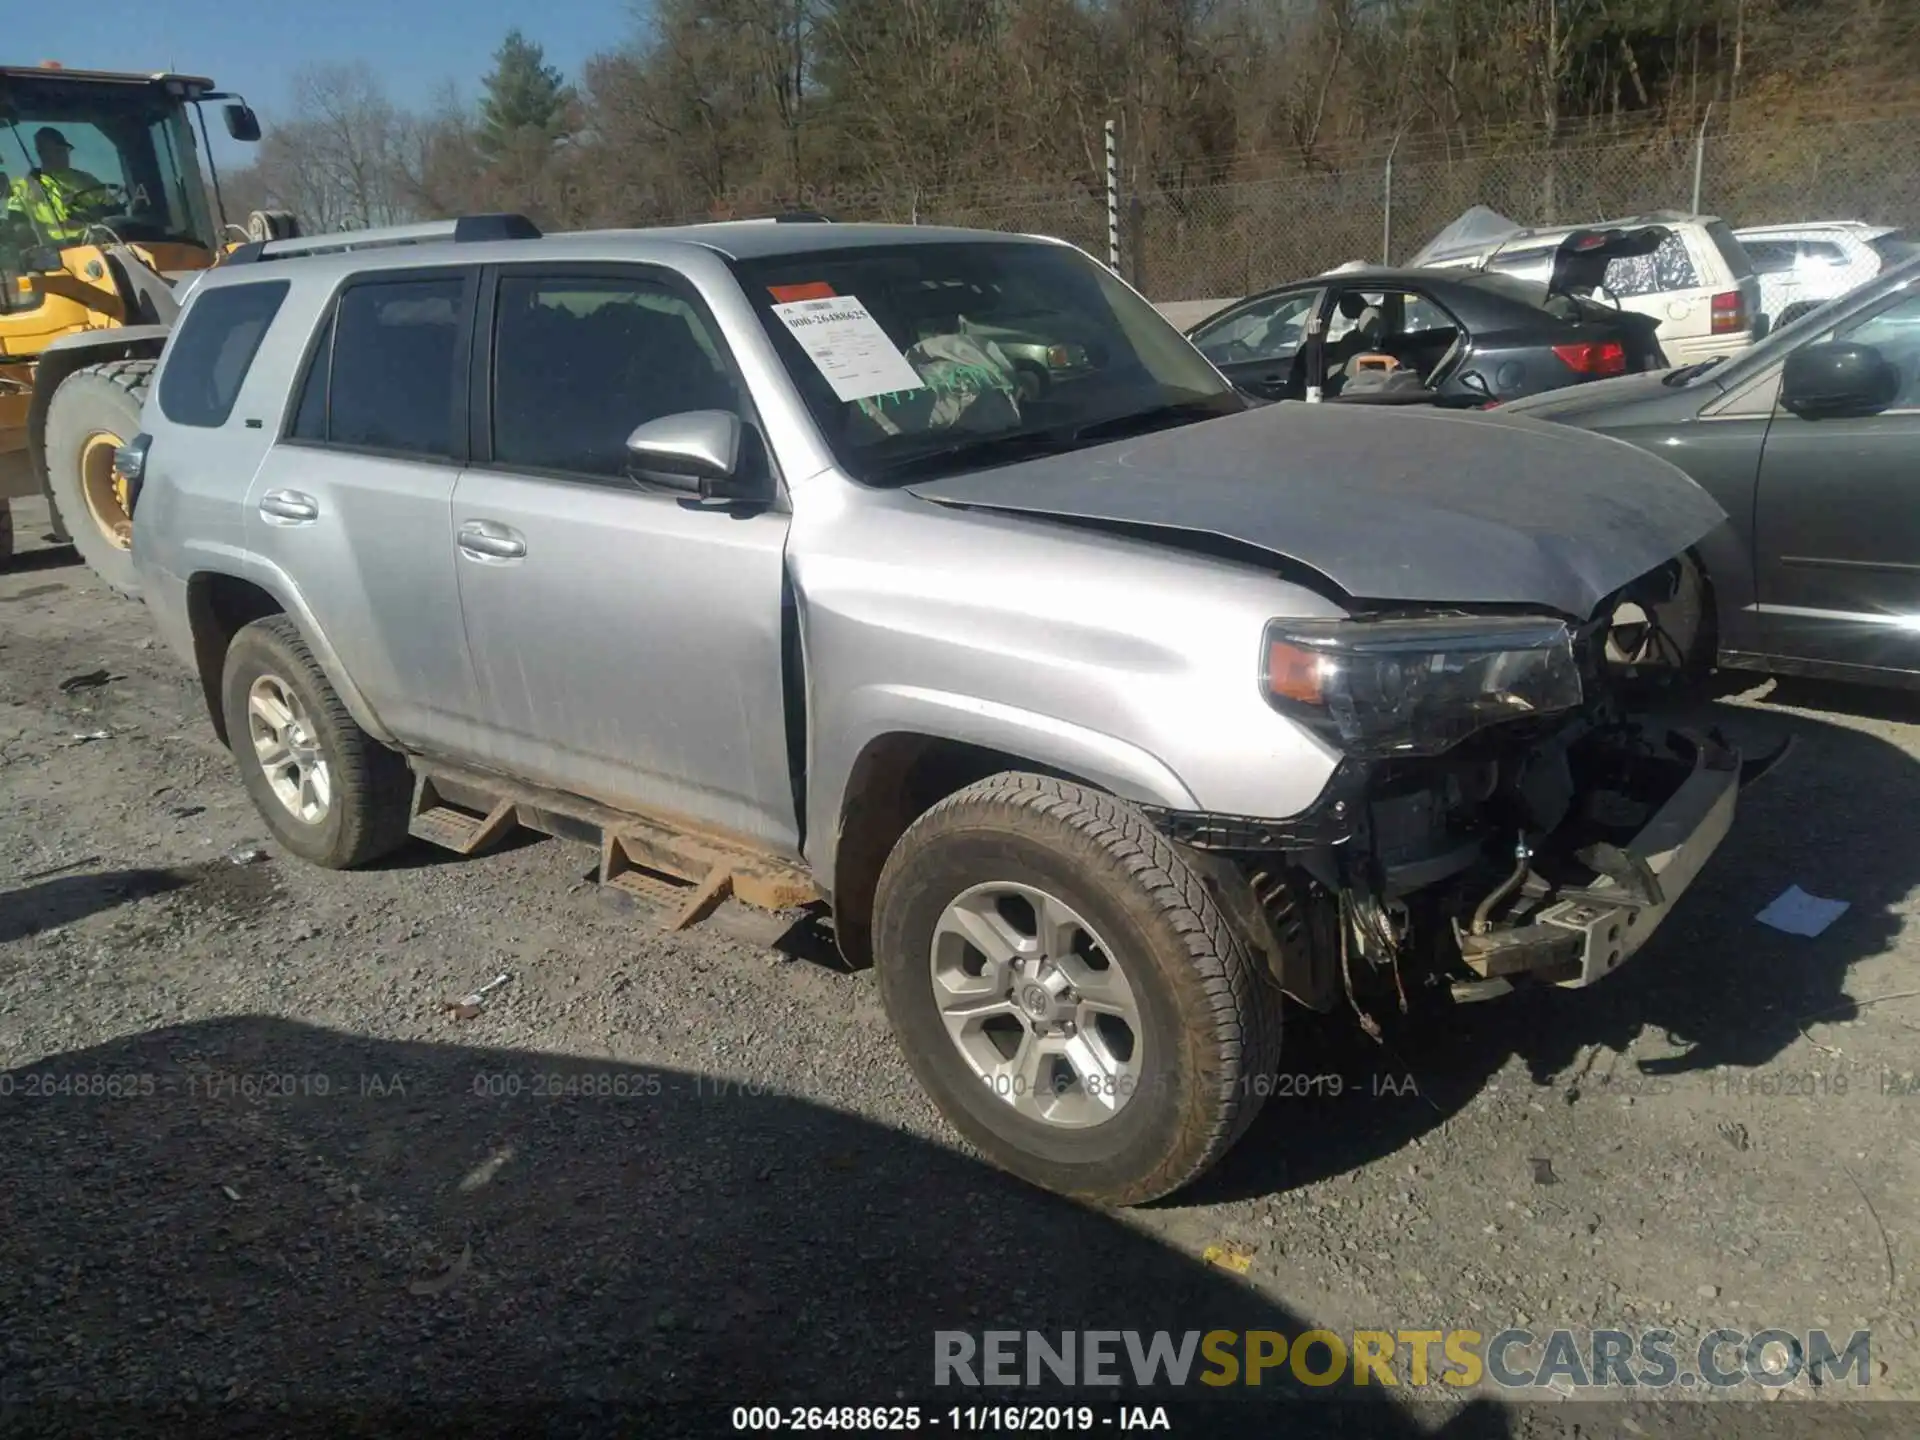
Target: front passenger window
point(578, 362)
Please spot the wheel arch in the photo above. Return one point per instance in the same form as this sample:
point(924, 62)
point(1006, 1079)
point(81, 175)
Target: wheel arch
point(897, 777)
point(220, 603)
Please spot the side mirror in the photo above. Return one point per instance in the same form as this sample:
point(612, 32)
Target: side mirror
point(242, 124)
point(697, 451)
point(1838, 378)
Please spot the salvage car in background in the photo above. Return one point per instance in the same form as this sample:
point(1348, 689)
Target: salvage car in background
point(1688, 272)
point(1804, 265)
point(1811, 442)
point(1398, 336)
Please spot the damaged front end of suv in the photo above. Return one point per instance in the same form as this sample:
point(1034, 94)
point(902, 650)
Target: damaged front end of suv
point(1503, 816)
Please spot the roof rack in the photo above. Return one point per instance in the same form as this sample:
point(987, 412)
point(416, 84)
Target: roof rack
point(467, 229)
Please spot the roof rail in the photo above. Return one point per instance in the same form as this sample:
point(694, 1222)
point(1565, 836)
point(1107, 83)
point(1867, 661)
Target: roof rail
point(467, 229)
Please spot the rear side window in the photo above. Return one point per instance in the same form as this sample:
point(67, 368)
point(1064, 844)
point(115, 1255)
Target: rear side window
point(389, 369)
point(1668, 268)
point(213, 350)
point(1770, 257)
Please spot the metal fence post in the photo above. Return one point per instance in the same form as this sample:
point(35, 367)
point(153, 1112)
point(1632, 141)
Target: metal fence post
point(1386, 210)
point(1700, 156)
point(1113, 196)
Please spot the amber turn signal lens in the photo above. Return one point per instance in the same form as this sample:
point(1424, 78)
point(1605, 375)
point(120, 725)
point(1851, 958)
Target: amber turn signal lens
point(1294, 673)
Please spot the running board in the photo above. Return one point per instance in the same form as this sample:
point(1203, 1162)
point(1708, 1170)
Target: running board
point(462, 831)
point(684, 872)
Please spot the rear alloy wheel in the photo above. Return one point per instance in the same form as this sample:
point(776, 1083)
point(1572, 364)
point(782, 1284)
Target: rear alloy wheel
point(326, 789)
point(95, 411)
point(1067, 991)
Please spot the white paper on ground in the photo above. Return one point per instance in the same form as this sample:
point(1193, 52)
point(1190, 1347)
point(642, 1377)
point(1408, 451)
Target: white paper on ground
point(1798, 913)
point(848, 345)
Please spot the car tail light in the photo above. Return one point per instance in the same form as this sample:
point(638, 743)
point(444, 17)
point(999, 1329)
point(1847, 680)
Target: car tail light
point(1594, 357)
point(1729, 312)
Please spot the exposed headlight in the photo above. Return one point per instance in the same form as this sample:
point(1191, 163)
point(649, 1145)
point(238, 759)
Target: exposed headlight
point(1417, 687)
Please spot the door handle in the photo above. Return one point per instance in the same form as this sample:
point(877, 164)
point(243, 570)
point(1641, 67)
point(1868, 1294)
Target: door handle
point(289, 507)
point(484, 540)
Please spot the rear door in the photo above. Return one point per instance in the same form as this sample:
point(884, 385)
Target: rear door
point(1838, 518)
point(627, 642)
point(352, 505)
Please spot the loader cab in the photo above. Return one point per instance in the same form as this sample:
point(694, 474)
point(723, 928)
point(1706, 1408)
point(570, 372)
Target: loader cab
point(97, 159)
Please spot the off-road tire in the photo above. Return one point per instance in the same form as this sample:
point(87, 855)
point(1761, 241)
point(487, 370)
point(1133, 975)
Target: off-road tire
point(6, 531)
point(98, 399)
point(1212, 1018)
point(372, 788)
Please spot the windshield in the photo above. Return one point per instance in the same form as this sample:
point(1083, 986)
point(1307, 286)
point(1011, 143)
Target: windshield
point(917, 359)
point(103, 153)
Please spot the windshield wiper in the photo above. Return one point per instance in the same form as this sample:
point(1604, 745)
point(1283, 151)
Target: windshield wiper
point(1158, 417)
point(975, 450)
point(1686, 374)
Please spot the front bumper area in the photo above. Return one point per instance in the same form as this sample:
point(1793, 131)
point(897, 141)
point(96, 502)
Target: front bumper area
point(1573, 936)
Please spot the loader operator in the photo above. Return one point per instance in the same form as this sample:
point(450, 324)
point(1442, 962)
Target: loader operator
point(54, 198)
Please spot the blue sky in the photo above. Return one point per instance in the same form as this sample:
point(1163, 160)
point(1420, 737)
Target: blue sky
point(415, 46)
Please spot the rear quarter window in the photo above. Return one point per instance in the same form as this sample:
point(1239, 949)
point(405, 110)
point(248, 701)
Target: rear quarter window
point(1668, 268)
point(213, 350)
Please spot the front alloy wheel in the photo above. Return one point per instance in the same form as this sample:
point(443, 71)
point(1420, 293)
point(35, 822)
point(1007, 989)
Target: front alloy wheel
point(1067, 990)
point(1036, 1005)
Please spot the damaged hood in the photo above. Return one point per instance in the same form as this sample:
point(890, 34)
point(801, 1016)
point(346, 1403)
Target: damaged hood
point(1402, 506)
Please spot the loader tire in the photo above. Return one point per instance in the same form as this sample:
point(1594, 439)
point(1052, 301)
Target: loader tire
point(976, 904)
point(95, 411)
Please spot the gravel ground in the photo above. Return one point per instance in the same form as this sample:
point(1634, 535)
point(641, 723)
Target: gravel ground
point(677, 1173)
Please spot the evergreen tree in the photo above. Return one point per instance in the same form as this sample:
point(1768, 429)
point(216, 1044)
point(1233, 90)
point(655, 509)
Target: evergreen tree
point(525, 98)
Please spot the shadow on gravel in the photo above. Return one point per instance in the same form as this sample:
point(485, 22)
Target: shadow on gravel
point(272, 1228)
point(1714, 986)
point(55, 556)
point(49, 904)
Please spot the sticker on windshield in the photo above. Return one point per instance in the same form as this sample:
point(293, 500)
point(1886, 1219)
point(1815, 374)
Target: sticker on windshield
point(808, 290)
point(849, 347)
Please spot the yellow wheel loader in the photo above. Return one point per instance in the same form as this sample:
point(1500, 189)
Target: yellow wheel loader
point(105, 219)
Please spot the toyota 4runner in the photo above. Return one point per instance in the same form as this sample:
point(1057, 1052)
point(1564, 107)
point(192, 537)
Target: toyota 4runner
point(1101, 705)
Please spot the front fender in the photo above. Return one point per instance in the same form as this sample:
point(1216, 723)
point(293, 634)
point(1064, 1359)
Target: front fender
point(874, 712)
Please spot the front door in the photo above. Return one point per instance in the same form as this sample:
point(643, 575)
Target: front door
point(1258, 344)
point(1838, 532)
point(352, 506)
point(628, 642)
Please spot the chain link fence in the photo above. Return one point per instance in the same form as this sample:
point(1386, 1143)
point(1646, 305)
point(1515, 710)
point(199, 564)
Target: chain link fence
point(1231, 237)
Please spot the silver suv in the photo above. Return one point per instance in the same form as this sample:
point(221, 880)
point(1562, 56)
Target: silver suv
point(1102, 705)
